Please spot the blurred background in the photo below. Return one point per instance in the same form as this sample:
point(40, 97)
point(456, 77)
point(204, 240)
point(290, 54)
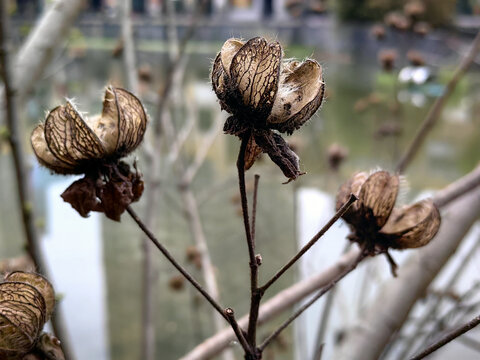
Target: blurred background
point(385, 62)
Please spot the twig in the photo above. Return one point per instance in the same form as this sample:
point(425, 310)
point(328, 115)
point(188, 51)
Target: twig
point(460, 187)
point(24, 199)
point(437, 302)
point(255, 295)
point(304, 307)
point(174, 262)
point(129, 46)
point(312, 242)
point(254, 207)
point(171, 69)
point(434, 113)
point(447, 338)
point(284, 300)
point(237, 330)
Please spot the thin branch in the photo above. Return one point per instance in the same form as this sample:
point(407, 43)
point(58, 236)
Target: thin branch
point(312, 242)
point(174, 262)
point(273, 307)
point(458, 188)
point(172, 66)
point(237, 330)
point(432, 310)
point(21, 175)
point(304, 307)
point(434, 113)
point(129, 57)
point(254, 206)
point(255, 295)
point(447, 338)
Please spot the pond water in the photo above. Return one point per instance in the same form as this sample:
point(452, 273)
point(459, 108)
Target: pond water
point(96, 263)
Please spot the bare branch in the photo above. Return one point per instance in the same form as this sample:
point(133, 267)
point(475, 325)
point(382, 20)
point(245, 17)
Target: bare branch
point(312, 242)
point(281, 302)
point(434, 113)
point(447, 338)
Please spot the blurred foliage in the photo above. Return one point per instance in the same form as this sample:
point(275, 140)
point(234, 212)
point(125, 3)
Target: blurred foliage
point(437, 12)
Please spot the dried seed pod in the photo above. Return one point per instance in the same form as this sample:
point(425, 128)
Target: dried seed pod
point(69, 143)
point(265, 93)
point(38, 282)
point(375, 224)
point(176, 282)
point(412, 226)
point(26, 302)
point(387, 58)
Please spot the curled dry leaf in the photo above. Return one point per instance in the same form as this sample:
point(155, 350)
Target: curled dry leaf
point(264, 93)
point(69, 143)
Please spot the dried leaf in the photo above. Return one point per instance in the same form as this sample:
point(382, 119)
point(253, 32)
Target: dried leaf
point(279, 151)
point(82, 195)
point(252, 152)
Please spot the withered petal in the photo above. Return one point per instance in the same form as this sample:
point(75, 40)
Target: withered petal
point(377, 197)
point(126, 109)
point(82, 195)
point(44, 156)
point(252, 152)
point(412, 226)
point(279, 151)
point(115, 198)
point(69, 138)
point(300, 94)
point(254, 73)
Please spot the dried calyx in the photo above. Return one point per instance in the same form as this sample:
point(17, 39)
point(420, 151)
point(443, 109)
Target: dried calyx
point(26, 304)
point(69, 143)
point(265, 94)
point(376, 225)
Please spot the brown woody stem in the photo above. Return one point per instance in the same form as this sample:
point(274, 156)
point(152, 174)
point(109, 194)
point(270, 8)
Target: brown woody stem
point(322, 231)
point(256, 296)
point(304, 307)
point(174, 262)
point(447, 338)
point(237, 330)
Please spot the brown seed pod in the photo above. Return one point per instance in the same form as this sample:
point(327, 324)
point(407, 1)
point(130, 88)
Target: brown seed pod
point(176, 282)
point(263, 92)
point(26, 302)
point(387, 58)
point(69, 143)
point(375, 224)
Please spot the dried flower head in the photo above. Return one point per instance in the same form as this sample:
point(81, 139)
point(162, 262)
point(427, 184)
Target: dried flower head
point(69, 143)
point(265, 94)
point(415, 58)
point(378, 31)
point(374, 222)
point(422, 28)
point(387, 58)
point(26, 303)
point(336, 154)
